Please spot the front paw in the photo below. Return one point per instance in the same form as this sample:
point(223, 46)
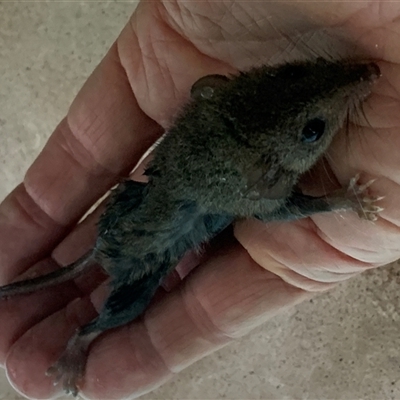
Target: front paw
point(362, 202)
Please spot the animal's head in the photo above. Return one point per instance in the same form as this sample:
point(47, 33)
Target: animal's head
point(289, 113)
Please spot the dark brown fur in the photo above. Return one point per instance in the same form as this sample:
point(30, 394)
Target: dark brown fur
point(236, 151)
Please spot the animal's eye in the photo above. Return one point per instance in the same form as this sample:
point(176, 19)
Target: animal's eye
point(313, 130)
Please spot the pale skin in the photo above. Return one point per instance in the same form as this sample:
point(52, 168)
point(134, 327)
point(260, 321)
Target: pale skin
point(123, 107)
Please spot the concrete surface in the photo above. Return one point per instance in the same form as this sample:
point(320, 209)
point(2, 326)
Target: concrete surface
point(342, 345)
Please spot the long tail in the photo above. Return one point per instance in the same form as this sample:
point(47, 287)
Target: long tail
point(127, 194)
point(61, 275)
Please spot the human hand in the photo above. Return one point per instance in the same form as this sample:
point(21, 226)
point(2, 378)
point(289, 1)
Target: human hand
point(229, 294)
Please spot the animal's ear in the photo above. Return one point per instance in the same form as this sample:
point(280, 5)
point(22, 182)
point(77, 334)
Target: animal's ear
point(205, 86)
point(267, 183)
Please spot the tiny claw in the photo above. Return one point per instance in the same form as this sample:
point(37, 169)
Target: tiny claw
point(373, 218)
point(355, 178)
point(372, 199)
point(366, 185)
point(353, 181)
point(379, 198)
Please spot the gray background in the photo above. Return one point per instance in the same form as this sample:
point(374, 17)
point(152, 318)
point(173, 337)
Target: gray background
point(342, 345)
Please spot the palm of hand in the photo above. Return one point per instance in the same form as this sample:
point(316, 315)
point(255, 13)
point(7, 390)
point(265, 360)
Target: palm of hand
point(104, 135)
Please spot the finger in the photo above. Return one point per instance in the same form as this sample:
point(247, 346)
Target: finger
point(102, 137)
point(304, 258)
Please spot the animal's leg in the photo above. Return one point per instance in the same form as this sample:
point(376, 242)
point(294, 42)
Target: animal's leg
point(125, 303)
point(354, 197)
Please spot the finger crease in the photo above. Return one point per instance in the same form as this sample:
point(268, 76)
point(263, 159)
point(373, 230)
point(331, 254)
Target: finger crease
point(197, 312)
point(81, 155)
point(29, 207)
